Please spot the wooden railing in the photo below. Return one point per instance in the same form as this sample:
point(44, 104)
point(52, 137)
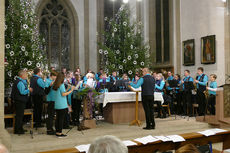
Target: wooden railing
point(191, 138)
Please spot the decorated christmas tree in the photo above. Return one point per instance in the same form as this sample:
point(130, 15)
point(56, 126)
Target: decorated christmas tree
point(123, 48)
point(23, 49)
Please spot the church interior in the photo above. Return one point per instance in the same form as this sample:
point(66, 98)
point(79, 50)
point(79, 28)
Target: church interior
point(153, 73)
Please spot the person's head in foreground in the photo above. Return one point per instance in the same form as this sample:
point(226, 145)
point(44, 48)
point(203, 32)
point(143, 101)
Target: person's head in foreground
point(108, 144)
point(3, 149)
point(189, 148)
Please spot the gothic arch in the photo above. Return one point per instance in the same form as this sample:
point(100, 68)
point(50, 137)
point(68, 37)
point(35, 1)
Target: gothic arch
point(59, 19)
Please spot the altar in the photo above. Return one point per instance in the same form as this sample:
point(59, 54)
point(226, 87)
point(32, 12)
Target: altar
point(119, 107)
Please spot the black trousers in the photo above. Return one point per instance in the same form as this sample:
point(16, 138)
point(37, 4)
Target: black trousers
point(187, 102)
point(147, 102)
point(60, 115)
point(50, 119)
point(76, 107)
point(19, 107)
point(160, 108)
point(200, 97)
point(38, 105)
point(179, 107)
point(211, 104)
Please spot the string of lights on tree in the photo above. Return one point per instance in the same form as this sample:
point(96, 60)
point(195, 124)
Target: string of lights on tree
point(23, 49)
point(123, 48)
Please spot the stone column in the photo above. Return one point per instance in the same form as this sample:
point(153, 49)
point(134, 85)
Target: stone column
point(4, 135)
point(100, 28)
point(152, 29)
point(177, 37)
point(86, 33)
point(227, 39)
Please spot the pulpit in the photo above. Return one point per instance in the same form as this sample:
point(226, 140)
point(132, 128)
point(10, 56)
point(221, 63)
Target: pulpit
point(222, 117)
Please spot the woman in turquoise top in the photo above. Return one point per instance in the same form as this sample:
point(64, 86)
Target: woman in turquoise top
point(212, 94)
point(50, 101)
point(59, 94)
point(159, 87)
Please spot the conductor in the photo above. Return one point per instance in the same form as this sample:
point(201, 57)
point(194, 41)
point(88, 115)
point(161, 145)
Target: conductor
point(147, 83)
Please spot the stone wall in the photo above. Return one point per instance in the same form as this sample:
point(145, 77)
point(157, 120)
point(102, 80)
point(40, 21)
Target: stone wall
point(4, 135)
point(199, 19)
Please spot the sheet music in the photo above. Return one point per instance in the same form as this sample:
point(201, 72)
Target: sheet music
point(147, 139)
point(135, 89)
point(78, 85)
point(163, 138)
point(129, 143)
point(83, 148)
point(176, 138)
point(207, 133)
point(90, 83)
point(212, 132)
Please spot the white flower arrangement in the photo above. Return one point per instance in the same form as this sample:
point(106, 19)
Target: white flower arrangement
point(15, 78)
point(11, 53)
point(100, 51)
point(140, 23)
point(106, 52)
point(15, 62)
point(138, 31)
point(26, 53)
point(23, 48)
point(117, 52)
point(38, 65)
point(147, 47)
point(129, 57)
point(25, 69)
point(121, 9)
point(124, 61)
point(142, 63)
point(9, 74)
point(131, 46)
point(7, 46)
point(134, 62)
point(121, 67)
point(130, 72)
point(125, 23)
point(29, 63)
point(136, 55)
point(106, 18)
point(25, 26)
point(115, 29)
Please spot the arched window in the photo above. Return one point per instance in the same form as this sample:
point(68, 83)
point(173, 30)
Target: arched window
point(55, 29)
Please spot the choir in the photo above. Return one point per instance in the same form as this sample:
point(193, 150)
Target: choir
point(62, 94)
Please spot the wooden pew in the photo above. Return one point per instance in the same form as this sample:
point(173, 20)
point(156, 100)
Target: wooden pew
point(191, 138)
point(26, 112)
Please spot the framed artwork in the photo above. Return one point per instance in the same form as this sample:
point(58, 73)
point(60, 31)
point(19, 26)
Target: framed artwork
point(189, 52)
point(208, 49)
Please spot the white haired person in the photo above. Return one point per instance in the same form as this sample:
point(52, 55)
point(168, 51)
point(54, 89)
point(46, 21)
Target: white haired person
point(3, 149)
point(108, 144)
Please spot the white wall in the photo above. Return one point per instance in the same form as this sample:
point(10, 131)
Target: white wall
point(201, 18)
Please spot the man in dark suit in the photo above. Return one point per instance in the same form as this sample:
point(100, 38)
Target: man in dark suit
point(147, 83)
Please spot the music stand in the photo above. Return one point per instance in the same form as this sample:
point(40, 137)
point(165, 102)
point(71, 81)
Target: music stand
point(136, 121)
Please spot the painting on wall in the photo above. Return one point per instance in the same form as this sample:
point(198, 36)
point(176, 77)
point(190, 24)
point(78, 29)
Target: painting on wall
point(189, 52)
point(208, 49)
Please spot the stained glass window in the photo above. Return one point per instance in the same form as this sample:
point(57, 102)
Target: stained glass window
point(55, 29)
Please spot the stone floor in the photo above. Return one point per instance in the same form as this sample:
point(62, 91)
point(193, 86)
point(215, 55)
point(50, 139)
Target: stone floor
point(42, 142)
